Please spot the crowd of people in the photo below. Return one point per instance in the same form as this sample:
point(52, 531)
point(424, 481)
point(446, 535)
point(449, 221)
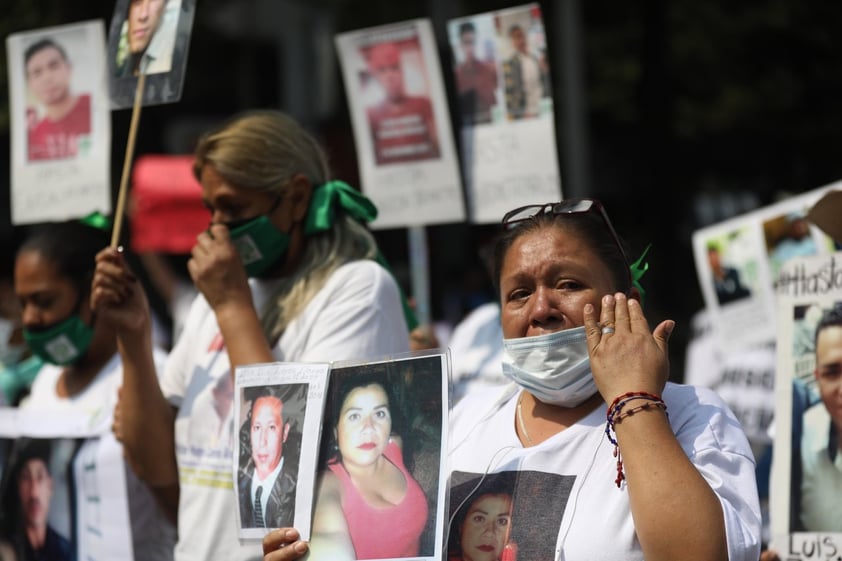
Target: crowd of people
point(573, 434)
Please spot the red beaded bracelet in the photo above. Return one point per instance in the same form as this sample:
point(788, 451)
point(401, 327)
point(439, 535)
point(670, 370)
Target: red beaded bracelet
point(615, 415)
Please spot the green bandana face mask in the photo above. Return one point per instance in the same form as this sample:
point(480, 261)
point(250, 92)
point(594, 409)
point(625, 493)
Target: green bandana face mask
point(259, 244)
point(63, 343)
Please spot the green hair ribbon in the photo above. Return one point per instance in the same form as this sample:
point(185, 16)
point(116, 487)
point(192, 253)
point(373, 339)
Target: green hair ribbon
point(332, 194)
point(638, 269)
point(325, 200)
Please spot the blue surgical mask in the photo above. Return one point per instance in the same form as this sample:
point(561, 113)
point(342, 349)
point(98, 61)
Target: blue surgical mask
point(259, 244)
point(62, 343)
point(555, 367)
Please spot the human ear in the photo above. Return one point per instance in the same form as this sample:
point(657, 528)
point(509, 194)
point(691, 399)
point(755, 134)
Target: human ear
point(300, 192)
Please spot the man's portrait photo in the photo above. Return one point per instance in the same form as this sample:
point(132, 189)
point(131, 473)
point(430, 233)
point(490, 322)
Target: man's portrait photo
point(526, 70)
point(147, 37)
point(475, 68)
point(400, 112)
point(58, 119)
point(31, 503)
point(270, 449)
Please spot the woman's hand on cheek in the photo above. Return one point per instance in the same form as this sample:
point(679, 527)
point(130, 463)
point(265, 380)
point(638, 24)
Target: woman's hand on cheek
point(630, 358)
point(283, 545)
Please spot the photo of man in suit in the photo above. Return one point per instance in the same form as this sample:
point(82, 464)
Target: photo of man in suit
point(267, 478)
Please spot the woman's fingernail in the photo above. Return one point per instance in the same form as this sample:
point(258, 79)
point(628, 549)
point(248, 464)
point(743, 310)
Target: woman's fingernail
point(300, 547)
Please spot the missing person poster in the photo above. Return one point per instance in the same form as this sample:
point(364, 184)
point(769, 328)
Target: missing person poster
point(505, 104)
point(741, 264)
point(278, 411)
point(152, 38)
point(806, 513)
point(61, 123)
point(385, 429)
point(405, 150)
point(63, 488)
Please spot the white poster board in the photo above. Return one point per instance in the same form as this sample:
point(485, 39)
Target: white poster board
point(61, 123)
point(502, 71)
point(805, 508)
point(404, 141)
point(739, 262)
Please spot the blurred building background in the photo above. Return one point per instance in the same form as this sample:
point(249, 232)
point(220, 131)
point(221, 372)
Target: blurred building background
point(676, 113)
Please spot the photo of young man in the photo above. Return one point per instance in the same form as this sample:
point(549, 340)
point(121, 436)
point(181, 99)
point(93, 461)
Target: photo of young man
point(402, 125)
point(59, 126)
point(148, 38)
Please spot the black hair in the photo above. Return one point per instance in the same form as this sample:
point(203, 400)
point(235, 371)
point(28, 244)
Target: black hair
point(293, 399)
point(384, 374)
point(831, 317)
point(464, 495)
point(589, 225)
point(40, 45)
point(71, 247)
point(467, 27)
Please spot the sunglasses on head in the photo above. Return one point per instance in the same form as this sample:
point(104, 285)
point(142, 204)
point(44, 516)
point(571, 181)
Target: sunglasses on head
point(562, 208)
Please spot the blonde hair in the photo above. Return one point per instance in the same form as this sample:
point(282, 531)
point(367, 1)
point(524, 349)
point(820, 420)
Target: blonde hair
point(264, 150)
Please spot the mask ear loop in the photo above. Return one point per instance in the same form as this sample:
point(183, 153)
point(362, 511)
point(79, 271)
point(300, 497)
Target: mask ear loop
point(638, 269)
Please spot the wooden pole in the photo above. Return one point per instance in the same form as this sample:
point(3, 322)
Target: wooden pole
point(127, 161)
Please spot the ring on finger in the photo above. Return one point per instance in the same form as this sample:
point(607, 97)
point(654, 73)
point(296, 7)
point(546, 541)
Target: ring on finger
point(607, 329)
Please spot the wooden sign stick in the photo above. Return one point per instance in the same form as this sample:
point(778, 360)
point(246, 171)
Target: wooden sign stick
point(127, 162)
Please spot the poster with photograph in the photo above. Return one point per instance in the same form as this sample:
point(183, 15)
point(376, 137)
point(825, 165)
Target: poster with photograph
point(61, 123)
point(505, 105)
point(63, 479)
point(278, 409)
point(405, 150)
point(152, 37)
point(390, 415)
point(806, 513)
point(740, 263)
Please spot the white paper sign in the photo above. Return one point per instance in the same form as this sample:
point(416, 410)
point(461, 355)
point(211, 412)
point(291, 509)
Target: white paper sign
point(61, 123)
point(805, 508)
point(738, 263)
point(405, 150)
point(502, 71)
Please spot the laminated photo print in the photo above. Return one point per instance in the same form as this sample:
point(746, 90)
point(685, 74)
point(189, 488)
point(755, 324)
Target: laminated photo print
point(806, 513)
point(152, 38)
point(277, 412)
point(383, 457)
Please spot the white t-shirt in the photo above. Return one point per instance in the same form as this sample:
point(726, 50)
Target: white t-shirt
point(566, 504)
point(821, 477)
point(153, 537)
point(356, 315)
point(476, 352)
